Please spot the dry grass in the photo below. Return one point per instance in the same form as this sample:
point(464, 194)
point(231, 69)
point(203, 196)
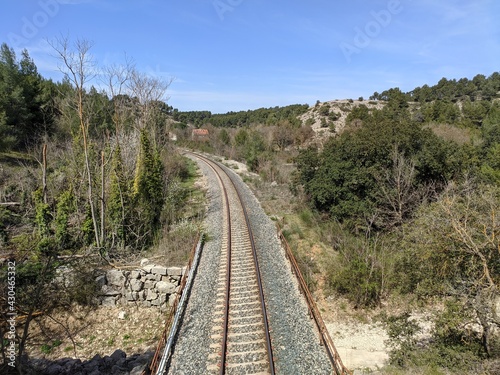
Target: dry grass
point(452, 133)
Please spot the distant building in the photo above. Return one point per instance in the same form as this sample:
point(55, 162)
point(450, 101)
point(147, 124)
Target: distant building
point(199, 135)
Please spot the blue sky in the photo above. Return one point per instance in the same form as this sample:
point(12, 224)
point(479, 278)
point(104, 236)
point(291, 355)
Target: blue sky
point(245, 54)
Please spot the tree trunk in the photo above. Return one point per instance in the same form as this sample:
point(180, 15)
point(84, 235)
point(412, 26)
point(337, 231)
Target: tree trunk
point(89, 173)
point(44, 173)
point(102, 198)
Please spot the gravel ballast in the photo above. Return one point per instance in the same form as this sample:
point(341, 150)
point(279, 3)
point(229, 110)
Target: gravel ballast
point(190, 352)
point(296, 345)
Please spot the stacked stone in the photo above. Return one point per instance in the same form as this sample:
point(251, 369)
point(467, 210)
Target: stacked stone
point(116, 364)
point(151, 285)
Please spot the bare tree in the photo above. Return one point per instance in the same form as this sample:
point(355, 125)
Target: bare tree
point(397, 192)
point(474, 234)
point(116, 79)
point(459, 237)
point(147, 91)
point(78, 66)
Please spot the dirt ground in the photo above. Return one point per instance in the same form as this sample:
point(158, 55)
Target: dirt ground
point(83, 333)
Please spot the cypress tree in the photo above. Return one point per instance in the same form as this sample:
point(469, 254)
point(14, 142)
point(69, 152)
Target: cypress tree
point(148, 188)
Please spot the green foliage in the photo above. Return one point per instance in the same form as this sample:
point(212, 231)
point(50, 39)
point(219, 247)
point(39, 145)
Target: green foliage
point(402, 342)
point(254, 149)
point(269, 116)
point(359, 112)
point(119, 201)
point(43, 215)
point(452, 90)
point(475, 112)
point(101, 108)
point(47, 348)
point(87, 228)
point(449, 335)
point(465, 102)
point(23, 118)
point(27, 272)
point(224, 137)
point(490, 170)
point(324, 110)
point(5, 220)
point(450, 347)
point(491, 126)
point(241, 137)
point(194, 117)
point(47, 246)
point(307, 161)
point(441, 111)
point(64, 208)
point(358, 272)
point(343, 178)
point(310, 121)
point(149, 188)
point(333, 116)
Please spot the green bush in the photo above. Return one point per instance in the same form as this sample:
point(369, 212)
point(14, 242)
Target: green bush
point(450, 348)
point(402, 341)
point(324, 110)
point(357, 273)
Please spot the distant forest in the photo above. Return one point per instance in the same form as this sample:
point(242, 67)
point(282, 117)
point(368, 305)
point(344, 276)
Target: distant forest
point(479, 87)
point(268, 116)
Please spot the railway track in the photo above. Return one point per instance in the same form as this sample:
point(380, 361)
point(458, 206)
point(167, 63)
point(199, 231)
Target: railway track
point(226, 328)
point(240, 342)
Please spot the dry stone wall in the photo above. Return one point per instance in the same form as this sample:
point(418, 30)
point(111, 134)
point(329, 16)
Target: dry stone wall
point(150, 286)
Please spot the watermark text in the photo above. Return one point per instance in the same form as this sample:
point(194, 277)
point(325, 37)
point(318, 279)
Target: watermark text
point(30, 26)
point(224, 6)
point(11, 313)
point(363, 36)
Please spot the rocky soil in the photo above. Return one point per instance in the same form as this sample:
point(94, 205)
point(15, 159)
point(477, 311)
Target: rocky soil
point(342, 108)
point(95, 335)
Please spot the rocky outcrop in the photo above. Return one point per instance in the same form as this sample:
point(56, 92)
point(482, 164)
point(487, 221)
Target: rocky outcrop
point(150, 286)
point(116, 364)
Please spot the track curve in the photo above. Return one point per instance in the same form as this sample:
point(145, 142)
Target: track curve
point(240, 340)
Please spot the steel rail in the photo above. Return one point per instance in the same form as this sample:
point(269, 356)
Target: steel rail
point(210, 163)
point(259, 279)
point(228, 264)
point(228, 273)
